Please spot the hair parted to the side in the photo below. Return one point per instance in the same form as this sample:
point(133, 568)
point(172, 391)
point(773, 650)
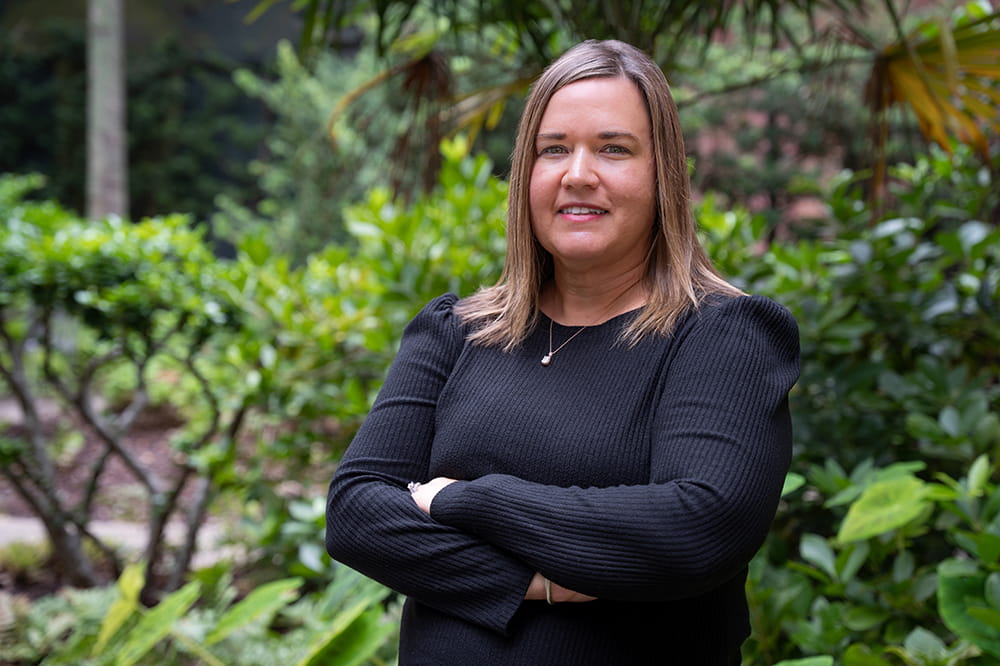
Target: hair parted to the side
point(679, 272)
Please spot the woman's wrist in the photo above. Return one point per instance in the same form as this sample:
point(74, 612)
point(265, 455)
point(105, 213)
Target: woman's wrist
point(424, 493)
point(542, 589)
point(536, 588)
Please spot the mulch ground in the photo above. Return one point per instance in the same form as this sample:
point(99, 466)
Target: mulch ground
point(119, 493)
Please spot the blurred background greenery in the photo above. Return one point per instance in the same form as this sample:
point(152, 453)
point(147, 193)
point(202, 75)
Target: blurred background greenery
point(303, 175)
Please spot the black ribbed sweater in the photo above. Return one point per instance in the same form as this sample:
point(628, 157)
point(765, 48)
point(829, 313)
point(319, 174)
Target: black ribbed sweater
point(645, 476)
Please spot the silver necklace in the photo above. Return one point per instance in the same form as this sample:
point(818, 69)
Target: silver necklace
point(547, 359)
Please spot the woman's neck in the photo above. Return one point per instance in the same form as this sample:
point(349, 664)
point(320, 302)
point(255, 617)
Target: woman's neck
point(587, 300)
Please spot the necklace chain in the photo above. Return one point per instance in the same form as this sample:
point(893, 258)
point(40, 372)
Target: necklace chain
point(552, 352)
point(547, 359)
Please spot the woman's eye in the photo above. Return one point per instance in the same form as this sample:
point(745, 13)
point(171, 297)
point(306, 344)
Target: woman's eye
point(617, 149)
point(552, 150)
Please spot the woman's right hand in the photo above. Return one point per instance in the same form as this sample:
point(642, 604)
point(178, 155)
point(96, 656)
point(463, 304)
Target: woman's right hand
point(557, 593)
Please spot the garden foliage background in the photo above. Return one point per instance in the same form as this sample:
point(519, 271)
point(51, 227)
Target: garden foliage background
point(886, 546)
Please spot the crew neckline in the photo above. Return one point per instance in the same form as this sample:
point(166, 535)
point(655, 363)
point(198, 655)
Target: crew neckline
point(633, 311)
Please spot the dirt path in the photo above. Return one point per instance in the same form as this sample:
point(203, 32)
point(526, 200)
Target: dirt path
point(117, 513)
point(131, 536)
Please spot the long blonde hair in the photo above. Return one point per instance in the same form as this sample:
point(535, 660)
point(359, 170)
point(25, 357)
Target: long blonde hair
point(679, 272)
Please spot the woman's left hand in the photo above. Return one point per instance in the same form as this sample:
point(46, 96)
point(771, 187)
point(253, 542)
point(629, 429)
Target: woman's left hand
point(423, 494)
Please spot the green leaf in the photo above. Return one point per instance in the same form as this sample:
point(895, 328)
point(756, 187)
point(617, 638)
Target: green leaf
point(922, 426)
point(792, 483)
point(156, 624)
point(313, 556)
point(972, 233)
point(883, 506)
point(352, 644)
point(265, 600)
point(851, 560)
point(129, 585)
point(861, 655)
point(903, 567)
point(950, 421)
point(808, 661)
point(863, 618)
point(363, 230)
point(985, 546)
point(925, 644)
point(991, 591)
point(987, 616)
point(815, 550)
point(979, 475)
point(957, 594)
point(954, 567)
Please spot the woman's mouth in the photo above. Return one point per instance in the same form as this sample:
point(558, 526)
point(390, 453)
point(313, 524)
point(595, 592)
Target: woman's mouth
point(581, 210)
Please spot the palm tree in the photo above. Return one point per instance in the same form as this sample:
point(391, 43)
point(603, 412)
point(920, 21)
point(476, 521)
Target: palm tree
point(947, 74)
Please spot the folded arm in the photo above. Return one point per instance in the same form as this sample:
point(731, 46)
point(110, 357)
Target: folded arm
point(373, 524)
point(721, 448)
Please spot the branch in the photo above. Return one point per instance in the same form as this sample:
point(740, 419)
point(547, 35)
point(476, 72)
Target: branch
point(55, 519)
point(140, 398)
point(79, 399)
point(42, 504)
point(199, 508)
point(193, 523)
point(801, 68)
point(159, 520)
point(213, 402)
point(21, 388)
point(92, 485)
point(49, 511)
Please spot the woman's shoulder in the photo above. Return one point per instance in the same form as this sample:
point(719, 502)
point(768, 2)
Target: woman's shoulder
point(754, 312)
point(439, 306)
point(437, 319)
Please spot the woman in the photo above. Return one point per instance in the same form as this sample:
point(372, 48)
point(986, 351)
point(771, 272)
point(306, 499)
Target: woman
point(575, 465)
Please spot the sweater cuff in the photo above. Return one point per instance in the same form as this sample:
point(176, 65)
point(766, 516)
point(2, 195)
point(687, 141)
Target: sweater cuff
point(447, 501)
point(469, 505)
point(447, 508)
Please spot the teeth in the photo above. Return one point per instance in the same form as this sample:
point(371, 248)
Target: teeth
point(580, 210)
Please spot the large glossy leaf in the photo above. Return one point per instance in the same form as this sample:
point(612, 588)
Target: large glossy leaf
point(961, 590)
point(884, 506)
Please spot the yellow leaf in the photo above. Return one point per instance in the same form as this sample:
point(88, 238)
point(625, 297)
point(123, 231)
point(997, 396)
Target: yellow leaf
point(950, 58)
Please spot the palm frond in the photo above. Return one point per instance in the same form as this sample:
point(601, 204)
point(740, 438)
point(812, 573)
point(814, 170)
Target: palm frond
point(949, 78)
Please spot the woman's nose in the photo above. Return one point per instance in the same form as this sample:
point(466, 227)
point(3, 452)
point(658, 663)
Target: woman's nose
point(580, 171)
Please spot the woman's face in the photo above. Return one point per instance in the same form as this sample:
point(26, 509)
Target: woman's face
point(592, 195)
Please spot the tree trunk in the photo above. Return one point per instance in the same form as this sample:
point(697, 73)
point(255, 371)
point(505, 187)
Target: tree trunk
point(107, 168)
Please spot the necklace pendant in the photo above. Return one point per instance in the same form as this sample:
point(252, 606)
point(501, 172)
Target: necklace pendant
point(546, 360)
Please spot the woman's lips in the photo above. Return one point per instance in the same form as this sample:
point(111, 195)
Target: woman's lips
point(581, 213)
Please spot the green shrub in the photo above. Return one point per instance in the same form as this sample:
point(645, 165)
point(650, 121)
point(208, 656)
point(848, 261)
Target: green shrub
point(204, 623)
point(898, 397)
point(79, 302)
point(320, 337)
point(885, 548)
point(314, 165)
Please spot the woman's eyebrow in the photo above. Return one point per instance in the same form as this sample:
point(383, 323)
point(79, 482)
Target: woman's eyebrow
point(606, 134)
point(617, 134)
